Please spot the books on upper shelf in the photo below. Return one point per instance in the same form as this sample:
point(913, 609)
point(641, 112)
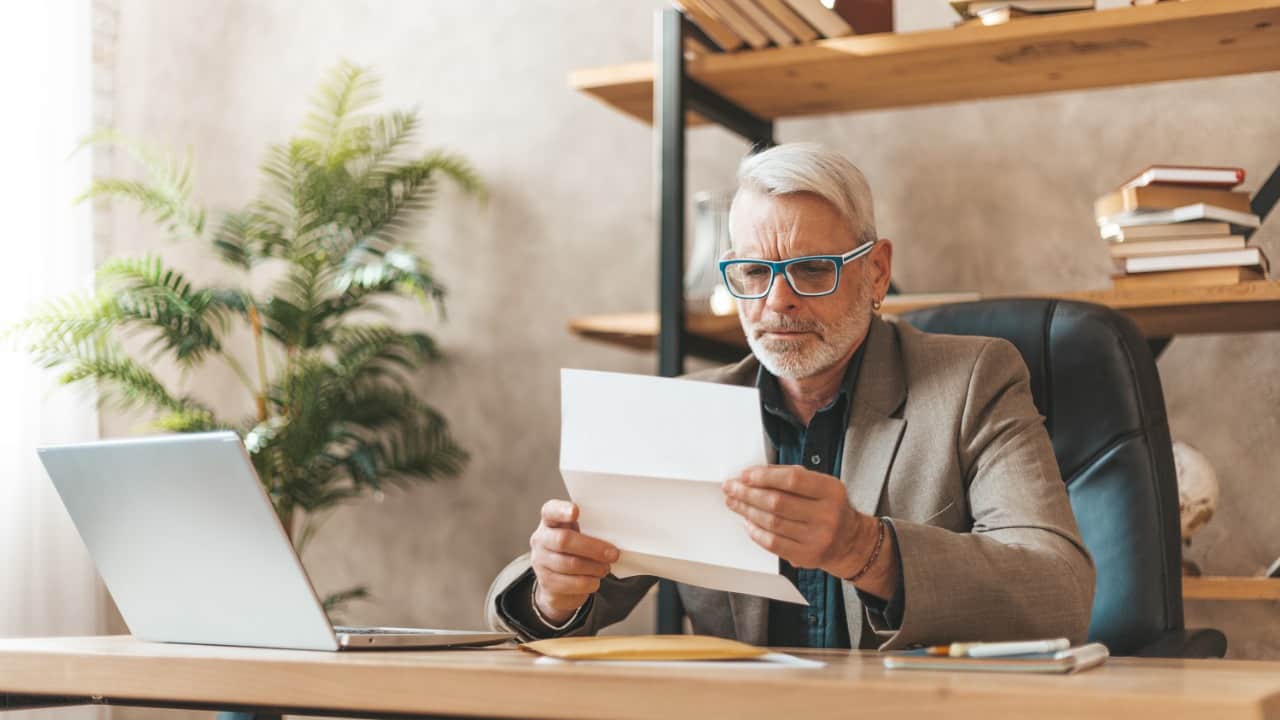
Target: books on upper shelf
point(1187, 278)
point(1172, 225)
point(710, 24)
point(1198, 211)
point(1146, 198)
point(1246, 257)
point(730, 25)
point(995, 12)
point(1176, 246)
point(1187, 175)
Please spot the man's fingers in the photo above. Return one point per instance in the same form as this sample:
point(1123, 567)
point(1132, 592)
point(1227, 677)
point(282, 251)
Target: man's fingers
point(788, 478)
point(571, 542)
point(571, 564)
point(789, 529)
point(775, 502)
point(558, 584)
point(560, 513)
point(774, 543)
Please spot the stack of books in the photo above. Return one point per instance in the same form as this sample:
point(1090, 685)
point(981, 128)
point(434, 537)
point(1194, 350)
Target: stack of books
point(731, 25)
point(1176, 225)
point(995, 12)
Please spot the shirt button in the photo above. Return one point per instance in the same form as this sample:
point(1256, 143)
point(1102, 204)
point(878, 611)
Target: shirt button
point(815, 459)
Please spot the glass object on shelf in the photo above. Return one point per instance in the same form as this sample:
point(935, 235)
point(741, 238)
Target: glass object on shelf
point(703, 289)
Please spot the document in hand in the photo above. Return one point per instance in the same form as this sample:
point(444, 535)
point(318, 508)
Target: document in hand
point(644, 457)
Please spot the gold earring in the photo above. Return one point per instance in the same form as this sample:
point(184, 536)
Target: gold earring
point(875, 305)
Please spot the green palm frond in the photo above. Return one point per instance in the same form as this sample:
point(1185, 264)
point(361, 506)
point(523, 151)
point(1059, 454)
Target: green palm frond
point(285, 199)
point(396, 271)
point(63, 322)
point(385, 139)
point(392, 197)
point(190, 420)
point(166, 194)
point(424, 449)
point(245, 238)
point(389, 435)
point(185, 321)
point(347, 90)
point(118, 377)
point(335, 603)
point(365, 350)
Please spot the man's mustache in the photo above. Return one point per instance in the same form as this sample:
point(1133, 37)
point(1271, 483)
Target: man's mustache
point(783, 324)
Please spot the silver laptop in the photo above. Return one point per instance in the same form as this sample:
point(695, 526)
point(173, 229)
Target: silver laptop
point(191, 550)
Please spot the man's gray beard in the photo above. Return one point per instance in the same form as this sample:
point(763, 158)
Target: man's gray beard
point(793, 364)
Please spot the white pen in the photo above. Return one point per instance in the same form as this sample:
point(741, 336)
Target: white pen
point(1002, 649)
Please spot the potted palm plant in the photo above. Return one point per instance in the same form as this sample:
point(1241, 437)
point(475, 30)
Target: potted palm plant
point(330, 236)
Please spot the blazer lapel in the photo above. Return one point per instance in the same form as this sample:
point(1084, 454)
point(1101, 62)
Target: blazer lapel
point(875, 420)
point(871, 440)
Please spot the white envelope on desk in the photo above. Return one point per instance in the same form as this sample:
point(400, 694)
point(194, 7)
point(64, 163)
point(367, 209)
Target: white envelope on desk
point(643, 457)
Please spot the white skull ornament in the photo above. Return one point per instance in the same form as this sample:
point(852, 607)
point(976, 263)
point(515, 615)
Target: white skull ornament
point(1197, 488)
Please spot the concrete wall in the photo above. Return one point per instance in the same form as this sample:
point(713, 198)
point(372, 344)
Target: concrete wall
point(990, 196)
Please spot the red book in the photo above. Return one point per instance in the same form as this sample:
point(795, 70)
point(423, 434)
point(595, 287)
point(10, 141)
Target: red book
point(1201, 176)
point(866, 16)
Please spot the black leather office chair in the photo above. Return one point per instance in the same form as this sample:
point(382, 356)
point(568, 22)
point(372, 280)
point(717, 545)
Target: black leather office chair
point(1095, 382)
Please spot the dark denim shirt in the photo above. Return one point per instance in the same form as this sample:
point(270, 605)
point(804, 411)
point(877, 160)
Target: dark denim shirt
point(818, 447)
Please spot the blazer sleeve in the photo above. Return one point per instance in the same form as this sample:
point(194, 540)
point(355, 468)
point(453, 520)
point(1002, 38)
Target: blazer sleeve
point(511, 590)
point(1022, 571)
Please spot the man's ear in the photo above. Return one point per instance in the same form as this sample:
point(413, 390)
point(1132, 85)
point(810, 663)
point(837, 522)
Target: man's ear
point(881, 259)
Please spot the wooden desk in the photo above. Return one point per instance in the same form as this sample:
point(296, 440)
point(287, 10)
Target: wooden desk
point(506, 683)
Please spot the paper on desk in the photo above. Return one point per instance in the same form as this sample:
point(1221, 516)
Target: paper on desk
point(643, 457)
point(775, 661)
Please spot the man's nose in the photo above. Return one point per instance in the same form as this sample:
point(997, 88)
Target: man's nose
point(781, 296)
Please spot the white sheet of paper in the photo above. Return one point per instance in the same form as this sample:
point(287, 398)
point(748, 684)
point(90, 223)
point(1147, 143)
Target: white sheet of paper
point(643, 457)
point(771, 661)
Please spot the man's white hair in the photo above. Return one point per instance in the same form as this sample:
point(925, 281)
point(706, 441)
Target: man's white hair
point(812, 168)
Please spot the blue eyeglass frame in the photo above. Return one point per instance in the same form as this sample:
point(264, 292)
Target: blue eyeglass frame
point(780, 266)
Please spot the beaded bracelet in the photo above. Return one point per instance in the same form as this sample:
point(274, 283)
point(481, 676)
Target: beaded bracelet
point(533, 601)
point(875, 553)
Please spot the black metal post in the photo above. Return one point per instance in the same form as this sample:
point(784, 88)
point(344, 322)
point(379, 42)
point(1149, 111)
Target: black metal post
point(10, 702)
point(710, 105)
point(1264, 201)
point(668, 111)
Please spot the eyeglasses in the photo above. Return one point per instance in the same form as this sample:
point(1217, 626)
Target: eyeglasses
point(810, 276)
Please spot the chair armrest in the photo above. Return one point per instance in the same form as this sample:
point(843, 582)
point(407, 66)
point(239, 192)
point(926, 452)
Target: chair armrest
point(1204, 643)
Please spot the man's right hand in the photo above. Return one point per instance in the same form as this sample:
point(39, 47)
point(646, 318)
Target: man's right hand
point(568, 564)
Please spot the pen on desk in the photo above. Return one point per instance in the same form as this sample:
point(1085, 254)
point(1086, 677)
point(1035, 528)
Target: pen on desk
point(998, 649)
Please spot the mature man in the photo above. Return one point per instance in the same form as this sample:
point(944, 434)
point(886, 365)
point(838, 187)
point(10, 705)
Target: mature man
point(915, 496)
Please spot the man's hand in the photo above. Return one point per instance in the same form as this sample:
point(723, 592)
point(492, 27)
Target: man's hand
point(802, 516)
point(569, 565)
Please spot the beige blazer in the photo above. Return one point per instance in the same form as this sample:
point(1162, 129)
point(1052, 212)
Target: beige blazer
point(945, 440)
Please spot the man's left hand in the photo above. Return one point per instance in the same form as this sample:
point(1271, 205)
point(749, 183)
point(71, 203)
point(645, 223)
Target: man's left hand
point(802, 516)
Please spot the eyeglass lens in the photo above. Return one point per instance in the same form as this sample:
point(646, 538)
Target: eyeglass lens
point(809, 277)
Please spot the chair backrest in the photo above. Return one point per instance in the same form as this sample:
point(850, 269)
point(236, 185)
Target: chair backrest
point(1095, 382)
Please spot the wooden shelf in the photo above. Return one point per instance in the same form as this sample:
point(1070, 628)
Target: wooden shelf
point(1230, 588)
point(1071, 51)
point(1246, 307)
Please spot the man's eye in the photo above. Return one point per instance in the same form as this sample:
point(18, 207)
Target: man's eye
point(755, 271)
